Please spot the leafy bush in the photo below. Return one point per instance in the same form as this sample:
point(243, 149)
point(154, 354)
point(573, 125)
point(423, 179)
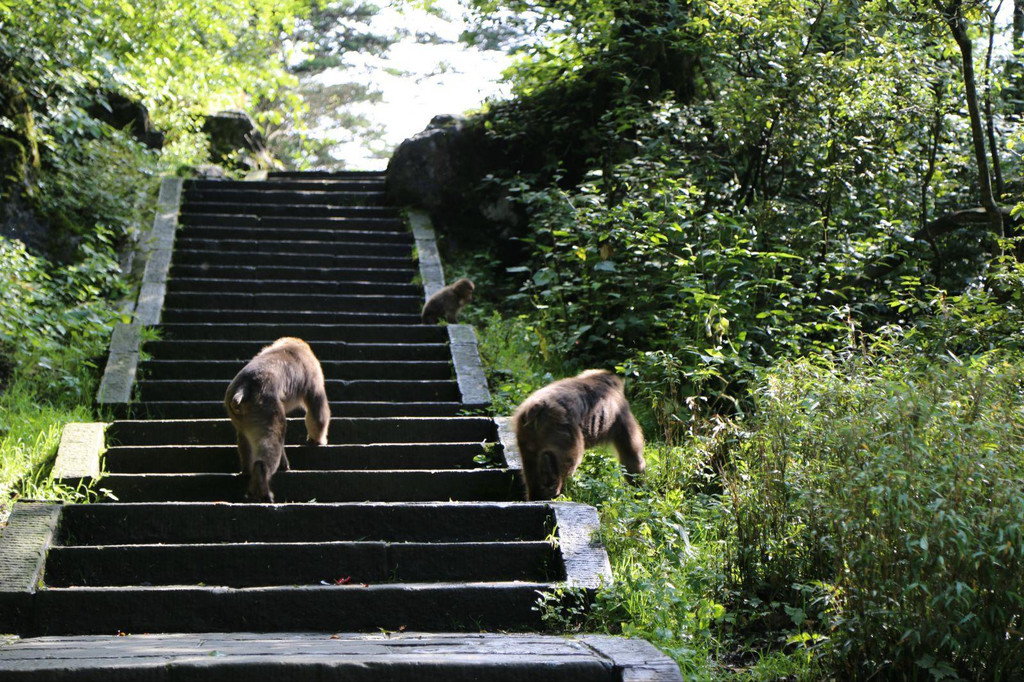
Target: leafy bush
point(885, 505)
point(56, 314)
point(988, 315)
point(664, 551)
point(617, 274)
point(707, 243)
point(54, 325)
point(516, 360)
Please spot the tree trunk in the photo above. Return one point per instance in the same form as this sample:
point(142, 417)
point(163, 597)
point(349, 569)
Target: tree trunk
point(1018, 24)
point(953, 15)
point(990, 123)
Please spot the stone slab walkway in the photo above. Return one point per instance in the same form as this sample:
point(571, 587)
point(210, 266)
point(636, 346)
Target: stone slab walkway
point(383, 657)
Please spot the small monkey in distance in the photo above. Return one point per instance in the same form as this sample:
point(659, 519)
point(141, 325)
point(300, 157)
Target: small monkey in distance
point(556, 423)
point(447, 302)
point(281, 377)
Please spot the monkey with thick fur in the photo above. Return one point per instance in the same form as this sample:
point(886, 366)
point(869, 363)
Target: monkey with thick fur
point(447, 302)
point(281, 377)
point(556, 423)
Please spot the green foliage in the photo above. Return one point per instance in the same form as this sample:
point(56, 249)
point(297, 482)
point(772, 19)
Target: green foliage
point(55, 324)
point(883, 506)
point(56, 316)
point(91, 188)
point(184, 58)
point(987, 315)
point(516, 360)
point(333, 28)
point(644, 265)
point(721, 237)
point(689, 241)
point(97, 192)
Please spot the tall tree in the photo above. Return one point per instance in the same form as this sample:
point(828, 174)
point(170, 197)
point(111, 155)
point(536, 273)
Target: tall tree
point(953, 15)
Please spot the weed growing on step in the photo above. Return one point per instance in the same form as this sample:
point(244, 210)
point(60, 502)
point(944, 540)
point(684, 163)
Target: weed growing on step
point(489, 457)
point(564, 609)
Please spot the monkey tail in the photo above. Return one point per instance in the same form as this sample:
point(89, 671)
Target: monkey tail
point(236, 400)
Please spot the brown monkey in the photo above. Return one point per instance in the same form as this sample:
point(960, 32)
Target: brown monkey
point(447, 302)
point(556, 423)
point(281, 377)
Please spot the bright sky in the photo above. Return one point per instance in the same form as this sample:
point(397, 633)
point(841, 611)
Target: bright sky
point(417, 81)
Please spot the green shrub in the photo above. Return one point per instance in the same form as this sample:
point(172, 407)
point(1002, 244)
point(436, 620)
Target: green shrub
point(57, 314)
point(53, 325)
point(664, 549)
point(883, 505)
point(516, 359)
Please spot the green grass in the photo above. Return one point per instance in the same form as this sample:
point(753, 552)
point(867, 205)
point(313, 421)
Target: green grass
point(28, 445)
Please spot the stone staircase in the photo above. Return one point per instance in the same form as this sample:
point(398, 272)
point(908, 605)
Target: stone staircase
point(410, 520)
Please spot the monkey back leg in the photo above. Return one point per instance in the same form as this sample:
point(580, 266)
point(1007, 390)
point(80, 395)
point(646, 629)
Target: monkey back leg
point(628, 440)
point(268, 454)
point(244, 454)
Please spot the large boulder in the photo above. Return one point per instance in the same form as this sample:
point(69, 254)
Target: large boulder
point(234, 138)
point(424, 168)
point(19, 150)
point(121, 112)
point(19, 161)
point(443, 169)
point(19, 221)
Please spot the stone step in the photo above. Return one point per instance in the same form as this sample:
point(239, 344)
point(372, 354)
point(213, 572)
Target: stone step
point(383, 225)
point(400, 523)
point(296, 246)
point(401, 275)
point(289, 210)
point(268, 333)
point(325, 608)
point(324, 175)
point(340, 390)
point(395, 485)
point(335, 196)
point(207, 258)
point(225, 370)
point(198, 523)
point(369, 183)
point(256, 564)
point(267, 301)
point(343, 430)
point(294, 286)
point(210, 409)
point(242, 351)
point(325, 234)
point(285, 317)
point(224, 458)
point(349, 657)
